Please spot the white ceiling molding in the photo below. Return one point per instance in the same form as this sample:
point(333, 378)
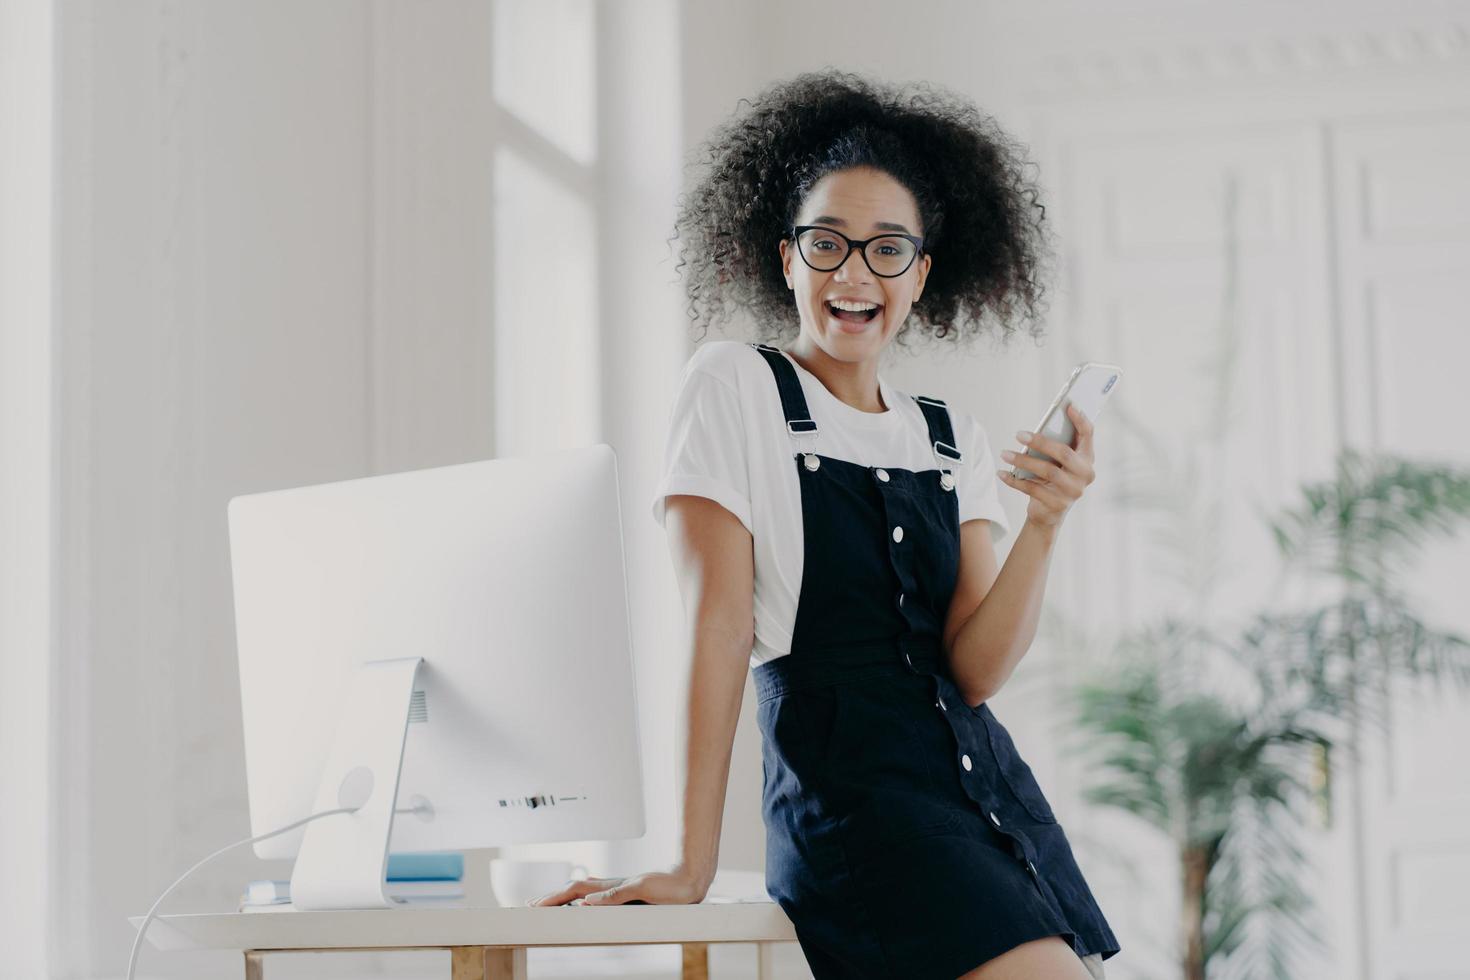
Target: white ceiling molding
point(1249, 59)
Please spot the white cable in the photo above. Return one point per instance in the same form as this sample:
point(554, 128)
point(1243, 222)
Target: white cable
point(143, 927)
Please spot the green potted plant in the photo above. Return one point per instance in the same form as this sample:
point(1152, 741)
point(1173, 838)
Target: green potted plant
point(1224, 740)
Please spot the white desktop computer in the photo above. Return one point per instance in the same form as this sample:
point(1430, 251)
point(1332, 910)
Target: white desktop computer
point(447, 653)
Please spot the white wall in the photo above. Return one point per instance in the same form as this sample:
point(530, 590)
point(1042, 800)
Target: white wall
point(215, 314)
point(1335, 132)
point(277, 256)
point(27, 484)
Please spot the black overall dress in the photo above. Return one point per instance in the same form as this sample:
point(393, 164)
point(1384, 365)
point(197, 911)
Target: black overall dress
point(905, 836)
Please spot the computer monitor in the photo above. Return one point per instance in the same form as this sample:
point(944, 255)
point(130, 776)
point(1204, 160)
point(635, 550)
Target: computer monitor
point(447, 646)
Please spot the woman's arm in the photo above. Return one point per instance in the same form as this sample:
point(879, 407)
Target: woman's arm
point(997, 634)
point(714, 559)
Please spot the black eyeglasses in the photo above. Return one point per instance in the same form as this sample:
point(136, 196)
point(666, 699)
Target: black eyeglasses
point(825, 249)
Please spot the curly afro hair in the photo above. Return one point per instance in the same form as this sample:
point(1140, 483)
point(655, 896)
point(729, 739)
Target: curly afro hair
point(980, 216)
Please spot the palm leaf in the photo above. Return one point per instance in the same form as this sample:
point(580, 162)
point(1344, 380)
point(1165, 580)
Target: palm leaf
point(1221, 745)
point(1366, 523)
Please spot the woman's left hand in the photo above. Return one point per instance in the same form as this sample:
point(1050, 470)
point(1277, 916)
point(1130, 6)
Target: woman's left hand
point(1055, 487)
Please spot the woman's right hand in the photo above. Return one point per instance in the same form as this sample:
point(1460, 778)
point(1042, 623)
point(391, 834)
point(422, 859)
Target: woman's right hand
point(676, 887)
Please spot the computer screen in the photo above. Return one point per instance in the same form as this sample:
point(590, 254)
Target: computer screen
point(507, 577)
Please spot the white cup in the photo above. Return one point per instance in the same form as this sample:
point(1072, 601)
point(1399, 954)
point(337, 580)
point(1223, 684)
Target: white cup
point(516, 882)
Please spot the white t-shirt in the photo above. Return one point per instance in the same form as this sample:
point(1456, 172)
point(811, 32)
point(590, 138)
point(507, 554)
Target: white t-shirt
point(727, 440)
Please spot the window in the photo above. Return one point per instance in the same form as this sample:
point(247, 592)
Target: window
point(547, 347)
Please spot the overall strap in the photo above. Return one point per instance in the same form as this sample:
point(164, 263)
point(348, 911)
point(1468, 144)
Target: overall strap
point(793, 402)
point(941, 434)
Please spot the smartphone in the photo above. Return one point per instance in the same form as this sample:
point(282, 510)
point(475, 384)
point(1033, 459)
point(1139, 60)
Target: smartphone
point(1088, 388)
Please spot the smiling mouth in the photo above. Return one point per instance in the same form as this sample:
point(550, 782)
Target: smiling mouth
point(848, 316)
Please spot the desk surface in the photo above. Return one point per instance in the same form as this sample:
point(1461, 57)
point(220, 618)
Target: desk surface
point(557, 925)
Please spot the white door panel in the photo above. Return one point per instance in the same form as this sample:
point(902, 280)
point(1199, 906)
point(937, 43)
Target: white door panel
point(1404, 258)
point(1174, 242)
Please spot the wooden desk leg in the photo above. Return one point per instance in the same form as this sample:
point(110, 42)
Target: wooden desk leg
point(254, 965)
point(696, 961)
point(487, 962)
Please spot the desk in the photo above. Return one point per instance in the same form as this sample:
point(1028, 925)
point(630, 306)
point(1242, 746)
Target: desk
point(484, 943)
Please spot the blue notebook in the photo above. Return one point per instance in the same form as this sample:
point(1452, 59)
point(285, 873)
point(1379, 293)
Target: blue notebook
point(426, 866)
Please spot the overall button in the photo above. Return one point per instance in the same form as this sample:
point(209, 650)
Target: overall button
point(1031, 868)
point(811, 461)
point(882, 474)
point(898, 533)
point(994, 819)
point(965, 761)
point(941, 705)
point(910, 661)
point(946, 481)
point(900, 600)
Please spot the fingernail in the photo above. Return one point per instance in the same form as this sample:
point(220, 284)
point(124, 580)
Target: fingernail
point(1023, 435)
point(1003, 473)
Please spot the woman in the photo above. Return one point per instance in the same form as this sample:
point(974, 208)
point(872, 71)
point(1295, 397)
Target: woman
point(837, 536)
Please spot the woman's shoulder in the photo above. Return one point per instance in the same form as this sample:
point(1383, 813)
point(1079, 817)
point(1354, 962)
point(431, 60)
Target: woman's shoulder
point(716, 354)
point(716, 379)
point(725, 359)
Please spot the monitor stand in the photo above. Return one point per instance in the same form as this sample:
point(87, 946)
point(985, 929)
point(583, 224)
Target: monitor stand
point(343, 860)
